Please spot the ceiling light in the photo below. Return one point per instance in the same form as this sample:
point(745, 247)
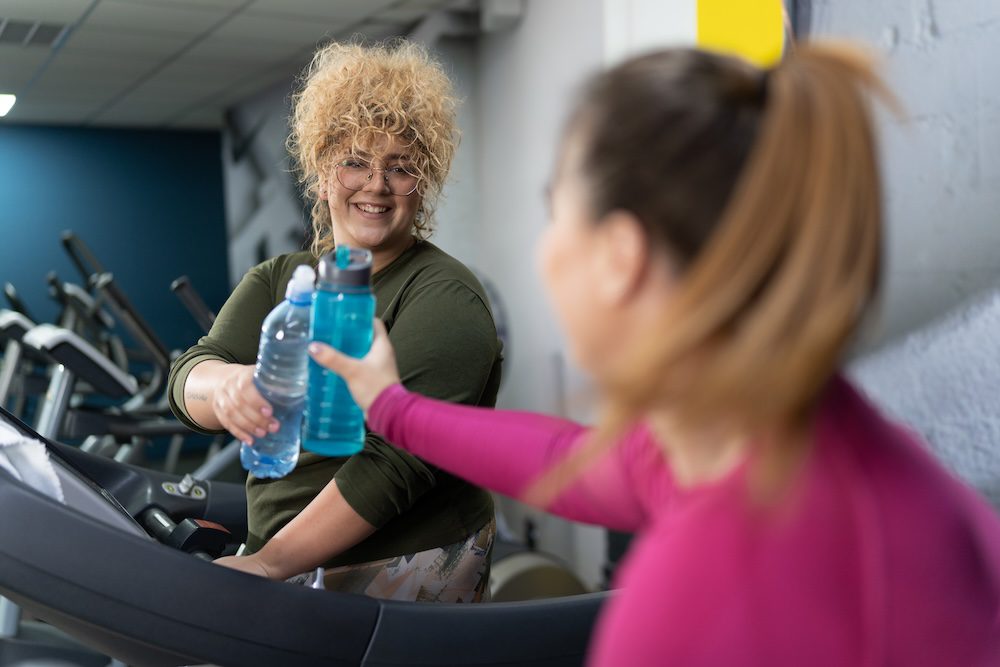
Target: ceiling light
point(6, 102)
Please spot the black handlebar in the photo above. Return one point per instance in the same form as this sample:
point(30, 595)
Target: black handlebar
point(189, 296)
point(15, 301)
point(200, 539)
point(86, 263)
point(127, 314)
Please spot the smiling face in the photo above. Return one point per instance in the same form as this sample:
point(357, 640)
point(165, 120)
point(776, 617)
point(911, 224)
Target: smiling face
point(373, 217)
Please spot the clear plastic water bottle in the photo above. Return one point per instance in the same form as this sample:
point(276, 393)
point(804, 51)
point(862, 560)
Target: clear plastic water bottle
point(280, 376)
point(343, 308)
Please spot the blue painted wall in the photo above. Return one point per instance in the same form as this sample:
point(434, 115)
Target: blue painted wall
point(148, 203)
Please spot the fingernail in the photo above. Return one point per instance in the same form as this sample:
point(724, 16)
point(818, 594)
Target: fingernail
point(259, 432)
point(273, 427)
point(313, 348)
point(266, 411)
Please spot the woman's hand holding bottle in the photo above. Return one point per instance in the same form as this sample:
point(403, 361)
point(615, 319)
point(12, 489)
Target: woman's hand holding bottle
point(240, 408)
point(366, 377)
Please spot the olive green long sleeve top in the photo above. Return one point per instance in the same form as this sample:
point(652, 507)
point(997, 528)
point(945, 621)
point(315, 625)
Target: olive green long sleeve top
point(440, 324)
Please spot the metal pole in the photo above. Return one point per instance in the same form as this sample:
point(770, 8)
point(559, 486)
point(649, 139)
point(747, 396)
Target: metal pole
point(11, 362)
point(211, 468)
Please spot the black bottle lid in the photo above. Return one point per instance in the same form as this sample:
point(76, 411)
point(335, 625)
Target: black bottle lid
point(345, 267)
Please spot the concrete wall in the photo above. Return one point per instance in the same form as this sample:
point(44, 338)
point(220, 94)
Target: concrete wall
point(458, 221)
point(943, 382)
point(942, 164)
point(264, 215)
point(526, 79)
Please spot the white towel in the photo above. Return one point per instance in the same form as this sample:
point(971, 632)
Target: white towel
point(28, 461)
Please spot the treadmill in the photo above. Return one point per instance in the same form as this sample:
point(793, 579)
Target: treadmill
point(93, 568)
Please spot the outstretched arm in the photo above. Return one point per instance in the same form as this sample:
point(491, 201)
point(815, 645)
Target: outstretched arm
point(210, 386)
point(501, 450)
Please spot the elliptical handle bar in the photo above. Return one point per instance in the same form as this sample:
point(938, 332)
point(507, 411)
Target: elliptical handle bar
point(85, 261)
point(14, 299)
point(137, 326)
point(192, 300)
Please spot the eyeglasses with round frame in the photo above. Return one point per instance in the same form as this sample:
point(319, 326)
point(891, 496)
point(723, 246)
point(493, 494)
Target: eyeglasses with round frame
point(355, 173)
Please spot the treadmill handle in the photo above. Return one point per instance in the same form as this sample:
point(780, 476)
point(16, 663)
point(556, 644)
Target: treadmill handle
point(198, 538)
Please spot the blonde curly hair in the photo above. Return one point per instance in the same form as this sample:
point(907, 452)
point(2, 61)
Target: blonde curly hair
point(350, 97)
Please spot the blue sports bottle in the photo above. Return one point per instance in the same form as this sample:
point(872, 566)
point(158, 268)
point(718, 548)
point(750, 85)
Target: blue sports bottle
point(342, 311)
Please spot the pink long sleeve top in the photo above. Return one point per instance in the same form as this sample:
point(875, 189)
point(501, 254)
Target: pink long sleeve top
point(876, 556)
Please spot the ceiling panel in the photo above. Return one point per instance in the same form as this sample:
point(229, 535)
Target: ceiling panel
point(274, 29)
point(85, 66)
point(404, 14)
point(50, 11)
point(209, 89)
point(60, 112)
point(434, 4)
point(194, 75)
point(18, 65)
point(341, 11)
point(177, 62)
point(207, 84)
point(12, 81)
point(76, 96)
point(99, 89)
point(248, 87)
point(66, 76)
point(162, 89)
point(200, 119)
point(160, 17)
point(376, 30)
point(160, 102)
point(238, 90)
point(156, 112)
point(189, 4)
point(134, 115)
point(124, 43)
point(235, 49)
point(15, 56)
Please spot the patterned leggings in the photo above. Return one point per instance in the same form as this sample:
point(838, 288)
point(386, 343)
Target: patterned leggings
point(458, 572)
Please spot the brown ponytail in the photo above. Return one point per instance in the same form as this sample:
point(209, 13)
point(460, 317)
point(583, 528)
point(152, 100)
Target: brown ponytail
point(779, 274)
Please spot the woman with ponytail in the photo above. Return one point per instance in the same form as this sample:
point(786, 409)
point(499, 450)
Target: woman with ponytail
point(715, 243)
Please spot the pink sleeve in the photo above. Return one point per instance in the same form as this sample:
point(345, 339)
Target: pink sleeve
point(505, 451)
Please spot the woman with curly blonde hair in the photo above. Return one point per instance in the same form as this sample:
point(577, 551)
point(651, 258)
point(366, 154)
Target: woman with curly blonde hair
point(373, 135)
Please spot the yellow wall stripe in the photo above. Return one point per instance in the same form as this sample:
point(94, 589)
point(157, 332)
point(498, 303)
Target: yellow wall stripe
point(753, 29)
